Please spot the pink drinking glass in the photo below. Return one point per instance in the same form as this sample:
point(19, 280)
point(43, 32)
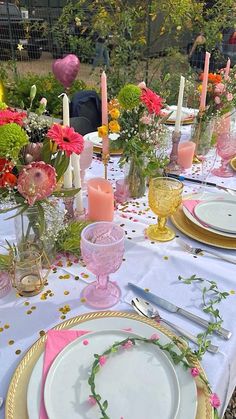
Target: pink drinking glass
point(86, 158)
point(226, 149)
point(102, 248)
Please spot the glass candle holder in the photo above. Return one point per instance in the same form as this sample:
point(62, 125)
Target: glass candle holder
point(28, 276)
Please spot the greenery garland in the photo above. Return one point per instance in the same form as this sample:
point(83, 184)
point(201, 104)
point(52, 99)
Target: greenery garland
point(185, 357)
point(211, 298)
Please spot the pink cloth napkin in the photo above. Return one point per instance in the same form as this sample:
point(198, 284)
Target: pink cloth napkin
point(56, 341)
point(190, 204)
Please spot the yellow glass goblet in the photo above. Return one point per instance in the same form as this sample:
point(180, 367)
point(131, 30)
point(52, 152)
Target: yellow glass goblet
point(164, 197)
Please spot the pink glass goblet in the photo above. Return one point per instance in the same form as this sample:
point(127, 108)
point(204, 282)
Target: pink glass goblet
point(226, 149)
point(102, 248)
point(86, 158)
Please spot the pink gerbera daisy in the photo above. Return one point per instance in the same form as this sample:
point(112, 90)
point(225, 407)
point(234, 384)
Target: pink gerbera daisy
point(67, 139)
point(8, 116)
point(152, 101)
point(36, 181)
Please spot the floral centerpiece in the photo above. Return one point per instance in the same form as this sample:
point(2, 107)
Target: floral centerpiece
point(30, 172)
point(135, 114)
point(220, 103)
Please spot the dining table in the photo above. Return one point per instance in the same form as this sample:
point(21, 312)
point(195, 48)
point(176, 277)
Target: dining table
point(151, 265)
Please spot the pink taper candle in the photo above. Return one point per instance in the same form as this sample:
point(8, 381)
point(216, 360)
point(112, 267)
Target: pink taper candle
point(205, 81)
point(100, 200)
point(227, 68)
point(105, 141)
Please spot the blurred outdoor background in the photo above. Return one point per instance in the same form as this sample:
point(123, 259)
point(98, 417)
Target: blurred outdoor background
point(151, 40)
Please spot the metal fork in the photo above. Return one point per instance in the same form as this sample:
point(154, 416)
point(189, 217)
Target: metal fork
point(197, 250)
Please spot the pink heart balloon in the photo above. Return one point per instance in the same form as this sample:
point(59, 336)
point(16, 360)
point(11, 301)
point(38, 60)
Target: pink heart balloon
point(66, 69)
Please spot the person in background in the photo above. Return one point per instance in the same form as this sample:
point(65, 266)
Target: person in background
point(101, 52)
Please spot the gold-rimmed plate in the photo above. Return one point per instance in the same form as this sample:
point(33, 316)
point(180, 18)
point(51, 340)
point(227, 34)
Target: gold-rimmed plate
point(183, 224)
point(16, 406)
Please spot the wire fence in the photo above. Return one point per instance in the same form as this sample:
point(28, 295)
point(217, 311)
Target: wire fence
point(27, 30)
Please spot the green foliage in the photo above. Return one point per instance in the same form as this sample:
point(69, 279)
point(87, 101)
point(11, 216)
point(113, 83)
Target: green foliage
point(47, 86)
point(12, 139)
point(69, 238)
point(211, 298)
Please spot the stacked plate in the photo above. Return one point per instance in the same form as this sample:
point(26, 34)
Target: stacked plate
point(97, 142)
point(187, 116)
point(212, 220)
point(134, 381)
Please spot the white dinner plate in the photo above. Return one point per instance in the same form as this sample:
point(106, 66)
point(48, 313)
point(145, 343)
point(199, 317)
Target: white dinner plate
point(187, 114)
point(123, 380)
point(96, 140)
point(188, 394)
point(218, 214)
point(206, 197)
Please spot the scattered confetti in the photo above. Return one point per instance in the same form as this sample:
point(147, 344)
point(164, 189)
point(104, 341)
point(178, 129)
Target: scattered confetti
point(28, 312)
point(42, 333)
point(66, 292)
point(11, 342)
point(232, 292)
point(6, 326)
point(85, 342)
point(18, 352)
point(26, 303)
point(165, 257)
point(83, 300)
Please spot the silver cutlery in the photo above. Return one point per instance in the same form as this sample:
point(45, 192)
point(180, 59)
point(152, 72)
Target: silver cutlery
point(197, 250)
point(167, 305)
point(144, 308)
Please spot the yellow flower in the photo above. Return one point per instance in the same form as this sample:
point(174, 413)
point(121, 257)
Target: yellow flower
point(115, 113)
point(114, 126)
point(199, 88)
point(102, 131)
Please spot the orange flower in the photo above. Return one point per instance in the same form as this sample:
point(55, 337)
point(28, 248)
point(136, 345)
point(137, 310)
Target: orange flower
point(115, 113)
point(102, 131)
point(113, 104)
point(212, 78)
point(114, 126)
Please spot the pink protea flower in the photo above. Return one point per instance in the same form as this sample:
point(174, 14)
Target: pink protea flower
point(102, 360)
point(217, 100)
point(9, 116)
point(152, 101)
point(194, 372)
point(127, 345)
point(214, 400)
point(36, 181)
point(67, 139)
point(219, 88)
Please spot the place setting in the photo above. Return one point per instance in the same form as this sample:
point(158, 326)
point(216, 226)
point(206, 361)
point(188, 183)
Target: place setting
point(110, 306)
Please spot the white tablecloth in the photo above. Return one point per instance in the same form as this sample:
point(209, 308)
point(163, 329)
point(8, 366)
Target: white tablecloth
point(152, 265)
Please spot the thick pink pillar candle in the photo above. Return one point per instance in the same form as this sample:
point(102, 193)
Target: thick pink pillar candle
point(205, 81)
point(100, 200)
point(105, 141)
point(227, 69)
point(185, 154)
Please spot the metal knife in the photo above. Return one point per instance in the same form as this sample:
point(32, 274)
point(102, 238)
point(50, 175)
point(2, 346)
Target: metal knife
point(161, 302)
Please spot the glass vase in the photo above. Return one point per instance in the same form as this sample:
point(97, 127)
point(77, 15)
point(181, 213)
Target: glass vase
point(134, 176)
point(36, 232)
point(202, 135)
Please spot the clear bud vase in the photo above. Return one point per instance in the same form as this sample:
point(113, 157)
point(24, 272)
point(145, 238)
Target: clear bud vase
point(134, 176)
point(37, 231)
point(203, 135)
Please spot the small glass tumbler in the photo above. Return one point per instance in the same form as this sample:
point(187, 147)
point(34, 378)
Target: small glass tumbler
point(102, 248)
point(122, 191)
point(28, 276)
